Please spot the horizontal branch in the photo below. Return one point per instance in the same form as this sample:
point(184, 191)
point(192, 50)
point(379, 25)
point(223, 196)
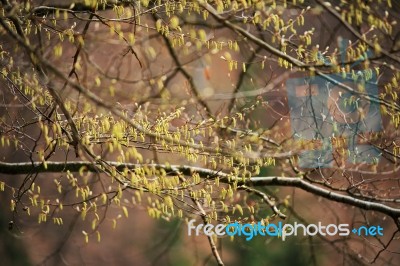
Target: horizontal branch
point(75, 166)
point(73, 6)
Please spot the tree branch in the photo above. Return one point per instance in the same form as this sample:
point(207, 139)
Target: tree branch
point(75, 166)
point(291, 59)
point(266, 198)
point(325, 193)
point(354, 32)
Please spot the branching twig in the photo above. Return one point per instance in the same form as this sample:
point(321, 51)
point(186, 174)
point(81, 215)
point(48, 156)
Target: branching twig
point(266, 198)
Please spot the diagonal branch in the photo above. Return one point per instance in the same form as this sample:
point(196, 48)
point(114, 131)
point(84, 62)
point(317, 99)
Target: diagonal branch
point(266, 198)
point(354, 32)
point(293, 60)
point(181, 69)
